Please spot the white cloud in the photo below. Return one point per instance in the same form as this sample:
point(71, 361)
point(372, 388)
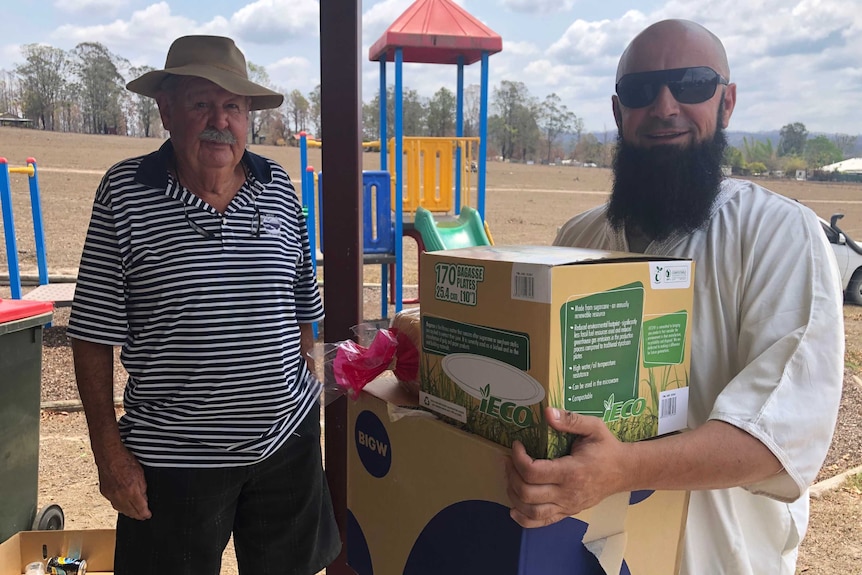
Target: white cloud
point(793, 60)
point(148, 32)
point(10, 53)
point(597, 44)
point(379, 17)
point(218, 26)
point(520, 48)
point(93, 6)
point(293, 73)
point(539, 6)
point(270, 21)
point(547, 73)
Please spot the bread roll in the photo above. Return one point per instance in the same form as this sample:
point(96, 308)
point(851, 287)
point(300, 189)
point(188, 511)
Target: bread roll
point(407, 322)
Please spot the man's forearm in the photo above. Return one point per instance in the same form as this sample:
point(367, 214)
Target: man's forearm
point(94, 372)
point(716, 455)
point(306, 344)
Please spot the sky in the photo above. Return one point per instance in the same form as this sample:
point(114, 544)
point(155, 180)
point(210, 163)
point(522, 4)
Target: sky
point(792, 60)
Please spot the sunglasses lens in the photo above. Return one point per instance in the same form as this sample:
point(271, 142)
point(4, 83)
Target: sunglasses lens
point(697, 85)
point(687, 85)
point(636, 91)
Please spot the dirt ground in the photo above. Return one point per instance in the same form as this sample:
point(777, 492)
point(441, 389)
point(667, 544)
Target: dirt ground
point(524, 205)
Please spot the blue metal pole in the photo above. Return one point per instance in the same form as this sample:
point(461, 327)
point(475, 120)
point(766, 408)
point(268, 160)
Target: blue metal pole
point(315, 207)
point(383, 112)
point(399, 181)
point(9, 230)
point(459, 132)
point(384, 269)
point(483, 138)
point(38, 229)
point(303, 163)
point(311, 224)
point(307, 181)
point(312, 215)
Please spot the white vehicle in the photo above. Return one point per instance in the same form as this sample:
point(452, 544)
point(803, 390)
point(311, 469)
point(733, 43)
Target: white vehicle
point(849, 256)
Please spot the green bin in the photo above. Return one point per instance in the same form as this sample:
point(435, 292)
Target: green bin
point(21, 324)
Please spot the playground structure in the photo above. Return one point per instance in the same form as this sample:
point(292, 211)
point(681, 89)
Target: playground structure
point(435, 174)
point(434, 32)
point(60, 293)
point(432, 188)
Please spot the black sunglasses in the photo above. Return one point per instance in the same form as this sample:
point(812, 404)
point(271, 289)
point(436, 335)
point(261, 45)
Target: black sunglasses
point(205, 233)
point(688, 86)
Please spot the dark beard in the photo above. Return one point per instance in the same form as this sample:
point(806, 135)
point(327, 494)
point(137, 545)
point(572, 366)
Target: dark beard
point(665, 189)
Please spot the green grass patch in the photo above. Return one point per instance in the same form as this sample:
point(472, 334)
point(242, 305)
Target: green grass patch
point(853, 484)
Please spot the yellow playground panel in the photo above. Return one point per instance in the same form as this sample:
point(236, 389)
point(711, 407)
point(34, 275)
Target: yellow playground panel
point(429, 171)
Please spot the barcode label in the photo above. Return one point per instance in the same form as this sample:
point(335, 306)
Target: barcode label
point(531, 282)
point(524, 286)
point(673, 410)
point(668, 406)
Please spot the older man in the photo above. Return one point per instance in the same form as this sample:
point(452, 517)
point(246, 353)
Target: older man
point(767, 347)
point(197, 263)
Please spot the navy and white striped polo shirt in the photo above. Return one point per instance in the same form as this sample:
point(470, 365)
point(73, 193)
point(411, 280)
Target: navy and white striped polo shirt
point(206, 307)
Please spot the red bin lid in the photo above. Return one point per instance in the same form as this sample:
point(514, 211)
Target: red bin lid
point(13, 309)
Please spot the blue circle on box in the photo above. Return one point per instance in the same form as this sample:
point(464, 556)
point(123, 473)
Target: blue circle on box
point(479, 537)
point(638, 496)
point(372, 444)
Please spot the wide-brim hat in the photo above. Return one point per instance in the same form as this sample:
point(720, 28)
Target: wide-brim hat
point(214, 58)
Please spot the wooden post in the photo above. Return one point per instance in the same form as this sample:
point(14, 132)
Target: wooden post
point(340, 82)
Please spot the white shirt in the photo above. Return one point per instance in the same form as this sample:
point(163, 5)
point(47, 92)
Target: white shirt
point(767, 357)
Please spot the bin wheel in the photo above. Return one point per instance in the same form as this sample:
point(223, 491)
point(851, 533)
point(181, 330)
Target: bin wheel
point(50, 518)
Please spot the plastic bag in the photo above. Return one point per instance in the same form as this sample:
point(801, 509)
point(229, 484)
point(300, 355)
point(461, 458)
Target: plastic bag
point(350, 365)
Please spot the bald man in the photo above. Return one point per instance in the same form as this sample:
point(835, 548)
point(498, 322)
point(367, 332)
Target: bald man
point(768, 337)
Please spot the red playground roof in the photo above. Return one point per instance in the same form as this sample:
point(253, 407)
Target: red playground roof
point(436, 32)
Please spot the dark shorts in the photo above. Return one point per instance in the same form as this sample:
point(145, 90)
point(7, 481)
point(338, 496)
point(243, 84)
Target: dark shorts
point(279, 512)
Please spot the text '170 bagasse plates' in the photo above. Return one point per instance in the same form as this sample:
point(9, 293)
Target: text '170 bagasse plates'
point(473, 372)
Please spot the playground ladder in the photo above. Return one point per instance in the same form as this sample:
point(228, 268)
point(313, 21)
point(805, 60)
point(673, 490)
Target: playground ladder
point(59, 293)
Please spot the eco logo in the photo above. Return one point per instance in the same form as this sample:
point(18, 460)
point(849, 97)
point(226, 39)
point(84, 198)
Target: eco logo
point(616, 410)
point(507, 411)
point(670, 275)
point(504, 391)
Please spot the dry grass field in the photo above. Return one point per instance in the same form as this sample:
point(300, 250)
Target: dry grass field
point(525, 205)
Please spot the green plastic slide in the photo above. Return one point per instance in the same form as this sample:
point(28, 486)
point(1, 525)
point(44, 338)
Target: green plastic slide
point(468, 230)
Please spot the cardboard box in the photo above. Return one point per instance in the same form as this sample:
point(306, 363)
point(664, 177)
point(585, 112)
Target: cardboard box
point(426, 498)
point(94, 545)
point(509, 330)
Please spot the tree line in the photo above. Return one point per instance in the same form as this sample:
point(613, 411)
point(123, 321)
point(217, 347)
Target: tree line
point(83, 90)
point(796, 150)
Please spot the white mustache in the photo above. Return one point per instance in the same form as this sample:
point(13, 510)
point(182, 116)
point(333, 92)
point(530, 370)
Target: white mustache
point(217, 136)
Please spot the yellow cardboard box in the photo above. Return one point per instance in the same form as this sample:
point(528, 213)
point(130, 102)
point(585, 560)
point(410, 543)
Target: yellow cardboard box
point(94, 545)
point(509, 330)
point(425, 498)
